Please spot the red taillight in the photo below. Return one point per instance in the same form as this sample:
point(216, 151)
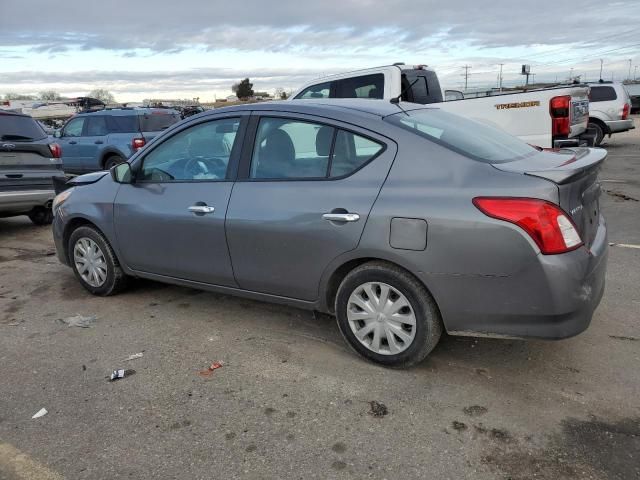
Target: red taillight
point(545, 222)
point(559, 108)
point(138, 143)
point(625, 111)
point(56, 150)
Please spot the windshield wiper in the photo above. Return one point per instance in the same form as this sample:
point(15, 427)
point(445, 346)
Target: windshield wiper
point(15, 137)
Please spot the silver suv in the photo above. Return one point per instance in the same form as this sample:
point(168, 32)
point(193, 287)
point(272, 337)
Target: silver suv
point(609, 107)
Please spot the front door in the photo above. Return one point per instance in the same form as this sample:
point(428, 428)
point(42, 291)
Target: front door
point(303, 201)
point(70, 137)
point(170, 221)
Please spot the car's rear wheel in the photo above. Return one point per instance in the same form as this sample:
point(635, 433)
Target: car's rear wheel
point(387, 315)
point(94, 262)
point(112, 161)
point(41, 216)
point(599, 132)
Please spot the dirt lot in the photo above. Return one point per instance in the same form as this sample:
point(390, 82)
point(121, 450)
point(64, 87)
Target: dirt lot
point(291, 401)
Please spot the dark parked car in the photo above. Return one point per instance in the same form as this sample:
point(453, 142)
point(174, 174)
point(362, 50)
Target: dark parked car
point(100, 139)
point(401, 220)
point(28, 163)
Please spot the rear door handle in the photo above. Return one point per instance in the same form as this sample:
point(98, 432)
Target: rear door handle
point(201, 209)
point(98, 142)
point(341, 217)
point(72, 142)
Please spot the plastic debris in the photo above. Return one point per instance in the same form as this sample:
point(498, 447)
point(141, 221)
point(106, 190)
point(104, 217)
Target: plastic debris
point(40, 413)
point(377, 409)
point(79, 321)
point(120, 373)
point(209, 371)
point(134, 356)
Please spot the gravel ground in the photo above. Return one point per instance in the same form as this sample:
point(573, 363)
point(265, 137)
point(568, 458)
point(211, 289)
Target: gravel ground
point(291, 401)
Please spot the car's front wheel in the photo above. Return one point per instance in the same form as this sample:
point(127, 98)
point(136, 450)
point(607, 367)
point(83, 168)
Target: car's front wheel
point(387, 315)
point(94, 262)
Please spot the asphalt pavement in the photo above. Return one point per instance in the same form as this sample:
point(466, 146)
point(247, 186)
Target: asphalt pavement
point(291, 400)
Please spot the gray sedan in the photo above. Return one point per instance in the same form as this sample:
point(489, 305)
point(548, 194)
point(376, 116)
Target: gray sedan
point(401, 220)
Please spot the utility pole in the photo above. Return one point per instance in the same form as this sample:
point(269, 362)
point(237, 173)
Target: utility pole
point(500, 77)
point(601, 61)
point(466, 76)
point(571, 75)
point(629, 76)
point(635, 72)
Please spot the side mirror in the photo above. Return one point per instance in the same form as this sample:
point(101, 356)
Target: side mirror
point(122, 173)
point(57, 133)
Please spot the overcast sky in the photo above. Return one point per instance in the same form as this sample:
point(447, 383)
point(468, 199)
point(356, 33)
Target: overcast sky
point(198, 48)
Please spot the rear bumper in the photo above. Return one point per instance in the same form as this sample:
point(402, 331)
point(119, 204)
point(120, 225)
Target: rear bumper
point(553, 299)
point(25, 200)
point(616, 126)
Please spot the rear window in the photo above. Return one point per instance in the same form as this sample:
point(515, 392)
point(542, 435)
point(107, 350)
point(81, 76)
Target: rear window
point(474, 140)
point(602, 94)
point(154, 122)
point(421, 86)
point(19, 128)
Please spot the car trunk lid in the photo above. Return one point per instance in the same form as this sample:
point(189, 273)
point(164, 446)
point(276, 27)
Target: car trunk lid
point(575, 172)
point(25, 166)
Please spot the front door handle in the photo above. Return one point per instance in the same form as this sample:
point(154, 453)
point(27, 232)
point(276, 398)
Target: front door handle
point(201, 209)
point(72, 142)
point(98, 142)
point(341, 217)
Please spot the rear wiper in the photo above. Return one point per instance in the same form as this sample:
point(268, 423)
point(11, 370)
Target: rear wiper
point(15, 137)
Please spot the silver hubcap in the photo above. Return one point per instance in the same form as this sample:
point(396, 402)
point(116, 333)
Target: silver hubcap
point(90, 262)
point(381, 318)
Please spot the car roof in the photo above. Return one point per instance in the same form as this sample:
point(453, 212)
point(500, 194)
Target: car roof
point(125, 112)
point(355, 106)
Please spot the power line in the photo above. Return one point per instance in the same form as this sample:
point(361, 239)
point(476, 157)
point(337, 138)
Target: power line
point(590, 56)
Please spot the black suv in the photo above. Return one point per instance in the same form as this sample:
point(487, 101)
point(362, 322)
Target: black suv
point(28, 163)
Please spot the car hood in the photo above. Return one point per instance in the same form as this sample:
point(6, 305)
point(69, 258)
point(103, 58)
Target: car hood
point(86, 179)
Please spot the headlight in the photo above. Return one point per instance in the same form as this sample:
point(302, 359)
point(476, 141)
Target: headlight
point(61, 198)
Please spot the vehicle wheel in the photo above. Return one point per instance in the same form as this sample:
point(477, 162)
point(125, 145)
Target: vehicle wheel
point(387, 315)
point(94, 262)
point(41, 216)
point(599, 132)
point(112, 161)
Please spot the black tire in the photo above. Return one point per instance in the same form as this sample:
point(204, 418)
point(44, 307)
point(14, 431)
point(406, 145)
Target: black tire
point(41, 216)
point(428, 321)
point(599, 132)
point(112, 161)
point(116, 279)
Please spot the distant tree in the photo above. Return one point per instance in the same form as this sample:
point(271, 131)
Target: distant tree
point(17, 96)
point(283, 95)
point(49, 96)
point(101, 94)
point(243, 89)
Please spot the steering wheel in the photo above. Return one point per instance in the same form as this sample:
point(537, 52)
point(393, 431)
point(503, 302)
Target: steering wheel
point(205, 165)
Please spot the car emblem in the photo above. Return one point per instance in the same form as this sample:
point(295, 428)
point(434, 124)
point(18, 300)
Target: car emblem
point(8, 146)
point(576, 209)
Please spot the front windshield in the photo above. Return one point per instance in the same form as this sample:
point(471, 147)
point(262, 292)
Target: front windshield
point(472, 139)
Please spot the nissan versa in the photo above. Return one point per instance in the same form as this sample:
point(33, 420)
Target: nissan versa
point(401, 220)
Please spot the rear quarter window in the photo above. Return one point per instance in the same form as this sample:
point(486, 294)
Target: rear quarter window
point(20, 128)
point(365, 86)
point(155, 122)
point(602, 94)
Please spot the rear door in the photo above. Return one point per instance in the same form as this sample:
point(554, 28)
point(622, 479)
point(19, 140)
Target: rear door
point(305, 189)
point(92, 143)
point(170, 221)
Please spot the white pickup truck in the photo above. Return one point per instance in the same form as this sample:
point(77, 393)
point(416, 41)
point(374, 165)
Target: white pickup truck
point(549, 117)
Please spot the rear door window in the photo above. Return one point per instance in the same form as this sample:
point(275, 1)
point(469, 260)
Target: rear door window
point(602, 94)
point(155, 122)
point(18, 127)
point(321, 90)
point(296, 149)
point(365, 86)
point(122, 124)
point(96, 126)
